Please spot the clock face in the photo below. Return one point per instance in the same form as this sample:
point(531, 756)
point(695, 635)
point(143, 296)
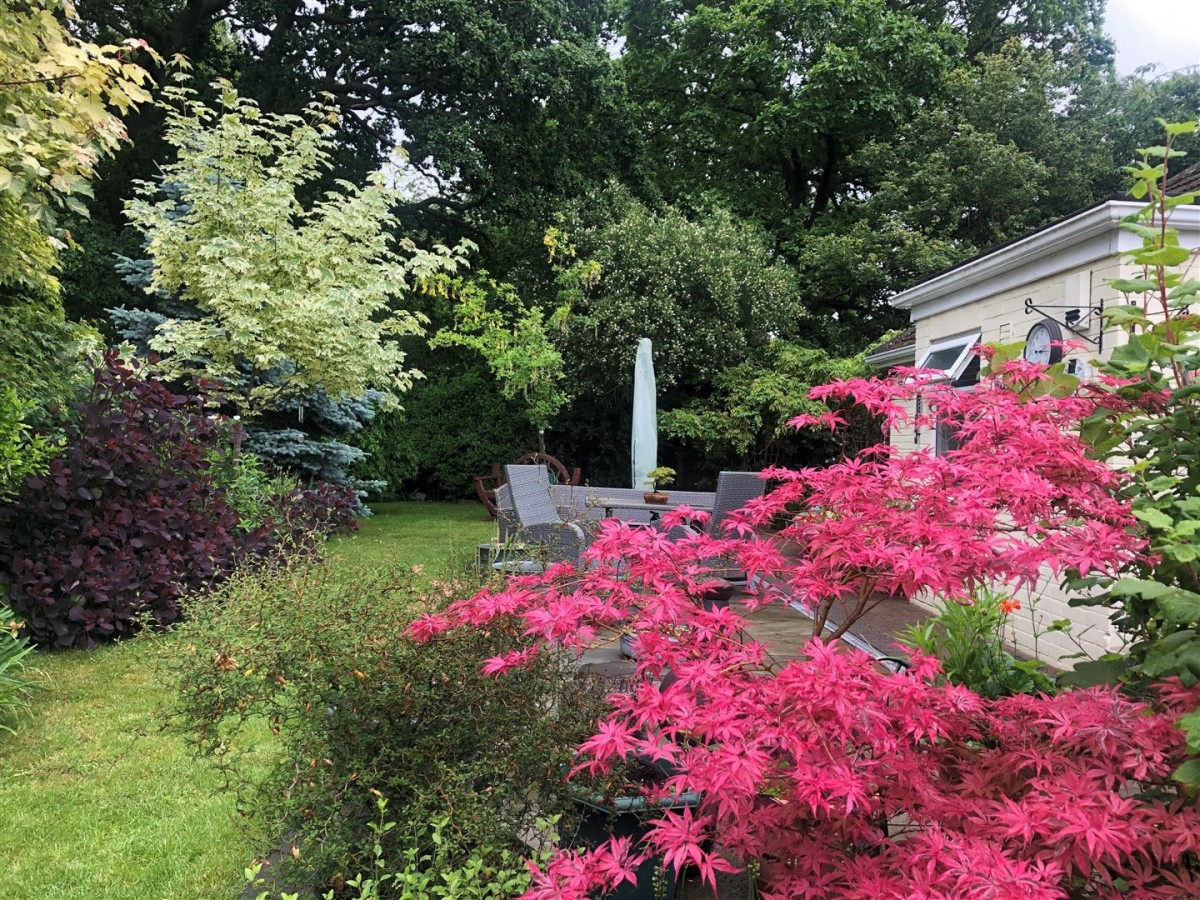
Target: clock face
point(1040, 344)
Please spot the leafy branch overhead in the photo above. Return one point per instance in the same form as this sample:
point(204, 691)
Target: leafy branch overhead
point(1150, 425)
point(745, 420)
point(306, 294)
point(57, 96)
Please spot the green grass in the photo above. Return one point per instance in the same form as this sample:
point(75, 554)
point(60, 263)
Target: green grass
point(97, 802)
point(440, 536)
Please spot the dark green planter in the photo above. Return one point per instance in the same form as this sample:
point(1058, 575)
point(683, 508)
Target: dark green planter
point(629, 817)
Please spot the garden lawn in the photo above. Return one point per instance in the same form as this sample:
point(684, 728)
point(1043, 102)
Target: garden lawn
point(99, 803)
point(440, 536)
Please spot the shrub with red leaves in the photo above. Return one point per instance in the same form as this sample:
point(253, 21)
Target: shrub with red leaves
point(130, 518)
point(841, 781)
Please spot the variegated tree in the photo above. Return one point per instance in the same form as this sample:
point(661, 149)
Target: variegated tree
point(293, 298)
point(58, 102)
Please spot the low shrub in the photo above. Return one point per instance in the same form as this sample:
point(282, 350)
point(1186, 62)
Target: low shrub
point(131, 516)
point(968, 640)
point(321, 509)
point(125, 521)
point(248, 486)
point(266, 497)
point(364, 713)
point(22, 450)
point(14, 687)
point(485, 873)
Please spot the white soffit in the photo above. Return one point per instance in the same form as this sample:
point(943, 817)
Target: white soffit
point(1082, 239)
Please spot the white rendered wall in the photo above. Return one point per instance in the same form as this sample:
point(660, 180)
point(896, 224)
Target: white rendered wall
point(1067, 264)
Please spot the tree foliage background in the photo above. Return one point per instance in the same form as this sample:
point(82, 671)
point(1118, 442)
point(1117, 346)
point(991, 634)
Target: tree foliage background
point(837, 150)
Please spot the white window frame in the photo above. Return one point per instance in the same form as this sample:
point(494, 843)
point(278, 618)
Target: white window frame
point(967, 343)
point(940, 435)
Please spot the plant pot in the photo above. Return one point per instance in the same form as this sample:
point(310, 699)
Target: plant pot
point(718, 597)
point(655, 497)
point(628, 817)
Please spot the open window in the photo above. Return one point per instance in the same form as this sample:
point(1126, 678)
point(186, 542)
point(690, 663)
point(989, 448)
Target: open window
point(956, 358)
point(958, 361)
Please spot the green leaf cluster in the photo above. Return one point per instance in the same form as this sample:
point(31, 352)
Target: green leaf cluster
point(303, 293)
point(454, 426)
point(43, 357)
point(969, 641)
point(704, 290)
point(485, 874)
point(23, 452)
point(57, 100)
point(1151, 429)
point(317, 654)
point(744, 421)
point(518, 341)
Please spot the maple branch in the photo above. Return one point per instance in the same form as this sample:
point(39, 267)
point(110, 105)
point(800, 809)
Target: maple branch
point(860, 608)
point(51, 79)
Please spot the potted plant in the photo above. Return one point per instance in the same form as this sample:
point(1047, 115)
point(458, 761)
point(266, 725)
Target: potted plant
point(622, 809)
point(658, 477)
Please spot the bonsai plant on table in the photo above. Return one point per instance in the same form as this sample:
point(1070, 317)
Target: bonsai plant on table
point(657, 478)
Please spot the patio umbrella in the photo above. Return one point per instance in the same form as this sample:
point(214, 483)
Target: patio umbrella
point(644, 445)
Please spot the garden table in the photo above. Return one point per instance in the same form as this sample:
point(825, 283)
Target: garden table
point(655, 509)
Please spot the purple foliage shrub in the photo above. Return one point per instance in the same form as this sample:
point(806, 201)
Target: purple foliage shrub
point(322, 509)
point(131, 518)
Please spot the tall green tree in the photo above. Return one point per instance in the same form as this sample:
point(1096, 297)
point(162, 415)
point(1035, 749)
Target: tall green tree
point(1065, 28)
point(760, 103)
point(876, 142)
point(507, 109)
point(500, 103)
point(708, 292)
point(61, 99)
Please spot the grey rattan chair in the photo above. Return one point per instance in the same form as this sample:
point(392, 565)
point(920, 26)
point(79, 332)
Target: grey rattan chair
point(734, 490)
point(528, 514)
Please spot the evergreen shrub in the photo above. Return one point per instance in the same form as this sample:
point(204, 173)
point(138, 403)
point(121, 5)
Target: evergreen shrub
point(452, 427)
point(365, 714)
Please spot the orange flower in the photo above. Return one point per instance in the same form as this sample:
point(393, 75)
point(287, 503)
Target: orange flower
point(1009, 606)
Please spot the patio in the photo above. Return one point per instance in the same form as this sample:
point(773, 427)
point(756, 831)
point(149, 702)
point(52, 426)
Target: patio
point(783, 630)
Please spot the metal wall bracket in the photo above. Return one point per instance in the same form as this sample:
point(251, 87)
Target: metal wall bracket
point(1097, 341)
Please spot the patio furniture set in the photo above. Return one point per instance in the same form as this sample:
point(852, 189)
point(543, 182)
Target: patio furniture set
point(553, 520)
point(540, 522)
point(487, 485)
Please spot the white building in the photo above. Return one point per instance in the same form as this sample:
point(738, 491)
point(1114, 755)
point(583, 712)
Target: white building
point(1050, 284)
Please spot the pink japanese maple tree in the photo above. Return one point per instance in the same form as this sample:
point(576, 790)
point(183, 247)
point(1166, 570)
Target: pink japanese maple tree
point(838, 779)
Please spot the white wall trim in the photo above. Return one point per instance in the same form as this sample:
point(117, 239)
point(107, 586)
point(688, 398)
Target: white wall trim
point(1082, 239)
